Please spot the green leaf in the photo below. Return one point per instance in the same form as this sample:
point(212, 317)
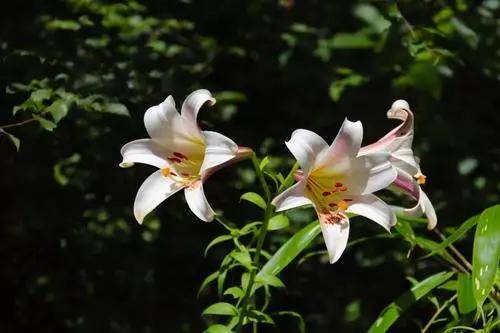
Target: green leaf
point(45, 123)
point(404, 228)
point(432, 246)
point(486, 252)
point(15, 141)
point(243, 257)
point(254, 198)
point(218, 328)
point(216, 241)
point(465, 294)
point(356, 40)
point(59, 109)
point(302, 323)
point(116, 108)
point(63, 25)
point(250, 227)
point(264, 162)
point(277, 222)
point(291, 249)
point(464, 227)
point(371, 15)
point(40, 95)
point(392, 312)
point(236, 292)
point(221, 309)
point(271, 280)
point(207, 281)
point(260, 317)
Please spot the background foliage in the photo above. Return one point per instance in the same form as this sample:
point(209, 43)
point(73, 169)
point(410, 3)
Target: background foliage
point(79, 74)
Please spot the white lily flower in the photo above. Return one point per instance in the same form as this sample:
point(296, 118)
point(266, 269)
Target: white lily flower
point(184, 155)
point(336, 181)
point(398, 143)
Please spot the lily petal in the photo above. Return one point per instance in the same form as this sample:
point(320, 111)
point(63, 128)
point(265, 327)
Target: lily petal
point(218, 150)
point(166, 126)
point(346, 143)
point(400, 110)
point(305, 146)
point(371, 173)
point(424, 206)
point(335, 236)
point(407, 184)
point(291, 198)
point(193, 103)
point(144, 151)
point(155, 189)
point(374, 209)
point(196, 200)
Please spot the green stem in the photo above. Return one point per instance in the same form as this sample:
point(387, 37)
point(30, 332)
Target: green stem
point(220, 219)
point(260, 242)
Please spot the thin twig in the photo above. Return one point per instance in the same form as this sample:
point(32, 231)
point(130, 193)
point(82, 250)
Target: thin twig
point(454, 250)
point(24, 122)
point(438, 311)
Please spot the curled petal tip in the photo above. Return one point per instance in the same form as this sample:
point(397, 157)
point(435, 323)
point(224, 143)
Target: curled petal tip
point(244, 152)
point(400, 104)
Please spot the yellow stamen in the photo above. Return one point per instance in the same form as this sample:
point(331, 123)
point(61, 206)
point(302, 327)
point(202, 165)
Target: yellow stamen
point(420, 178)
point(165, 172)
point(342, 204)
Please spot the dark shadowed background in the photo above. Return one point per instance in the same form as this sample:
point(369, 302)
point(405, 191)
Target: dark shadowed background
point(73, 257)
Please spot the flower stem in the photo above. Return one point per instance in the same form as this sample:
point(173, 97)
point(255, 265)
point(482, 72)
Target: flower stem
point(260, 242)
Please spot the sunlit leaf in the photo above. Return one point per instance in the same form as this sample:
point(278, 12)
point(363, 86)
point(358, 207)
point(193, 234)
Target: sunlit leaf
point(116, 108)
point(270, 280)
point(243, 257)
point(45, 123)
point(394, 310)
point(218, 328)
point(59, 109)
point(486, 253)
point(236, 292)
point(221, 309)
point(279, 221)
point(254, 198)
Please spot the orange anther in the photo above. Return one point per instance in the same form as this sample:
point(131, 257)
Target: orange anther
point(420, 178)
point(338, 184)
point(326, 193)
point(343, 189)
point(343, 205)
point(165, 172)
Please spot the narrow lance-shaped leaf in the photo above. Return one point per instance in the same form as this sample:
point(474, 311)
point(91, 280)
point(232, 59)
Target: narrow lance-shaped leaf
point(486, 253)
point(15, 141)
point(291, 249)
point(455, 236)
point(216, 241)
point(394, 310)
point(465, 294)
